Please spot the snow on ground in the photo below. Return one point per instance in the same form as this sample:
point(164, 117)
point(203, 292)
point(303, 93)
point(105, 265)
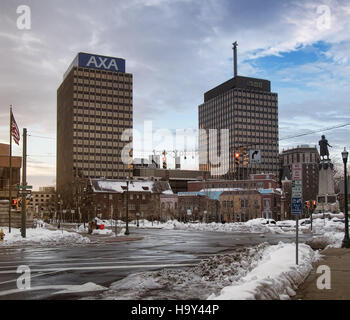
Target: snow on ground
point(276, 275)
point(41, 235)
point(328, 233)
point(251, 226)
point(198, 282)
point(258, 272)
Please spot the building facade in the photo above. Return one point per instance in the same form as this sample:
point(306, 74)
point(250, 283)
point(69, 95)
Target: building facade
point(178, 179)
point(255, 181)
point(107, 199)
point(240, 205)
point(43, 202)
point(16, 165)
point(309, 158)
point(94, 108)
point(249, 110)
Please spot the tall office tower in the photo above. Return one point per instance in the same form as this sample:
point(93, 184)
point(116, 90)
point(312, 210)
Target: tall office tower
point(248, 108)
point(94, 107)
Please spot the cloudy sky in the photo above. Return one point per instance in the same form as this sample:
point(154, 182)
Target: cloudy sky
point(177, 50)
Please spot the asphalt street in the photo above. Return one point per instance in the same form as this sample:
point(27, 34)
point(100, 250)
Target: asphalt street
point(57, 270)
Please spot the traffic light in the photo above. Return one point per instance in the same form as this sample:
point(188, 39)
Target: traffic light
point(314, 204)
point(14, 204)
point(245, 159)
point(307, 204)
point(237, 158)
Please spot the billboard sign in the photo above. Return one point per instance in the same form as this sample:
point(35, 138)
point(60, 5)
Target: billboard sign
point(101, 62)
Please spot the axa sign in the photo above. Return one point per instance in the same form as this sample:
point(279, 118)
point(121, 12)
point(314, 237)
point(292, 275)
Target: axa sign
point(101, 62)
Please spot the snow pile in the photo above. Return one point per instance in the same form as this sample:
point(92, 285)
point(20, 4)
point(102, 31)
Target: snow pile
point(194, 283)
point(103, 232)
point(42, 235)
point(276, 276)
point(251, 226)
point(329, 233)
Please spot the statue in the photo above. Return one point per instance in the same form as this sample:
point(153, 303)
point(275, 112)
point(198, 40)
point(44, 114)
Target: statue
point(324, 147)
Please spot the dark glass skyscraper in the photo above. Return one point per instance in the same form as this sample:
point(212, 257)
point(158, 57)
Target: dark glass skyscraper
point(248, 108)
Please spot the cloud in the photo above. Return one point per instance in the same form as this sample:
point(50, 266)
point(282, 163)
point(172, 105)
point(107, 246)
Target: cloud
point(176, 51)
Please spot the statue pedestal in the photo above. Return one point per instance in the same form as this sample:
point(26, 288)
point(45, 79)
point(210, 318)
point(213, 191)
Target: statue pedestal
point(326, 198)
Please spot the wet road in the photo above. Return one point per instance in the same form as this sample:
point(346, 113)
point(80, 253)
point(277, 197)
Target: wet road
point(56, 268)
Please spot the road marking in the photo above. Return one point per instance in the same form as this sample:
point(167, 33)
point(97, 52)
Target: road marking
point(92, 263)
point(107, 267)
point(87, 287)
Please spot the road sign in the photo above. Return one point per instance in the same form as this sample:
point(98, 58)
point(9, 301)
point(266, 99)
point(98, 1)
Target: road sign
point(24, 192)
point(297, 183)
point(24, 187)
point(297, 206)
point(297, 171)
point(254, 156)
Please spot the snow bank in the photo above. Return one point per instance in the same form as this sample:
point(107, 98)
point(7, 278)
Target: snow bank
point(41, 235)
point(275, 277)
point(192, 283)
point(329, 233)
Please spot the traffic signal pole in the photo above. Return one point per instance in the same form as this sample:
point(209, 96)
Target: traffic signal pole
point(24, 183)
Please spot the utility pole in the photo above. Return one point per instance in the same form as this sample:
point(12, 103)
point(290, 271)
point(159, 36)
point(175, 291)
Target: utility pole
point(127, 208)
point(24, 183)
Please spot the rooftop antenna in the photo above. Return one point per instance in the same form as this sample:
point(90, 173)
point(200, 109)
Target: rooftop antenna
point(235, 45)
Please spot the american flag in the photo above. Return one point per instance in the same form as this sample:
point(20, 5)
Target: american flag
point(14, 129)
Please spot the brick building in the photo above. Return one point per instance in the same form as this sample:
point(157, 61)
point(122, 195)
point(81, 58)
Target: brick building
point(256, 181)
point(106, 199)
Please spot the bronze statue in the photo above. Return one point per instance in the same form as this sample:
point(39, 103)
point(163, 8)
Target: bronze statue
point(324, 147)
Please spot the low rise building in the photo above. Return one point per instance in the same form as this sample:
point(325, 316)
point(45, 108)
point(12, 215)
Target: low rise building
point(43, 202)
point(16, 164)
point(198, 206)
point(169, 207)
point(107, 199)
point(256, 181)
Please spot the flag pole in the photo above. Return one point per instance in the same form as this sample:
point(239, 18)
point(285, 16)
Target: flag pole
point(10, 178)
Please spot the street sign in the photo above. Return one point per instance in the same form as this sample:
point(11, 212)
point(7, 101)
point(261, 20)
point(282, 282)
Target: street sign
point(297, 206)
point(24, 187)
point(24, 192)
point(297, 183)
point(254, 156)
point(297, 171)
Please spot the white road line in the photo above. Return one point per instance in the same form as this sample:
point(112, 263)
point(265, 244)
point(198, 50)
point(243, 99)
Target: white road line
point(35, 276)
point(64, 288)
point(91, 263)
point(107, 267)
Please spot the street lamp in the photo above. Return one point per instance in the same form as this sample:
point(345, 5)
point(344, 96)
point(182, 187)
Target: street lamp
point(346, 241)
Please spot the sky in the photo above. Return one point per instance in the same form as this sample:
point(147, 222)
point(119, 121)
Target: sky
point(176, 51)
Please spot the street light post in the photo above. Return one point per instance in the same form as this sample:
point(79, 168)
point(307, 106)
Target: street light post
point(346, 241)
point(127, 208)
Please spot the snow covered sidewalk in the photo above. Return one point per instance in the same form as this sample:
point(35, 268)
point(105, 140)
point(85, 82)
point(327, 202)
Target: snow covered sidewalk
point(275, 277)
point(41, 235)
